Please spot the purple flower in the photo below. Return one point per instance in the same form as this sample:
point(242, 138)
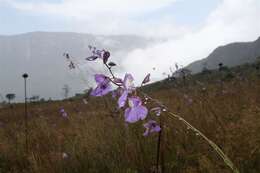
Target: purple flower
point(117, 92)
point(114, 94)
point(103, 86)
point(63, 113)
point(136, 111)
point(128, 87)
point(122, 99)
point(151, 126)
point(96, 53)
point(128, 82)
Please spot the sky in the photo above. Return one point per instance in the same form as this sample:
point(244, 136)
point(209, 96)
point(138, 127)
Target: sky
point(190, 29)
point(164, 17)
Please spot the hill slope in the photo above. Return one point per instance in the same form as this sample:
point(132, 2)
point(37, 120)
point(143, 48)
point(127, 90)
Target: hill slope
point(230, 55)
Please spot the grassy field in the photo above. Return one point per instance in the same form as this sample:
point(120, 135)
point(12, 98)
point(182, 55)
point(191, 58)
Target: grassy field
point(224, 105)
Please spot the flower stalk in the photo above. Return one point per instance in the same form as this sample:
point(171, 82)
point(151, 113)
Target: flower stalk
point(136, 111)
point(225, 158)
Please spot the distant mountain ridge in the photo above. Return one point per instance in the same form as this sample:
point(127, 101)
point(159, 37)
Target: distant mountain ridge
point(229, 55)
point(40, 54)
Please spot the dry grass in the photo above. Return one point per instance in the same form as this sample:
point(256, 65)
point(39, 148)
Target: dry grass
point(97, 140)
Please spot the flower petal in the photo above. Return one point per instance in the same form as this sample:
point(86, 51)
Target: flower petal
point(131, 115)
point(128, 82)
point(157, 128)
point(142, 112)
point(146, 133)
point(151, 126)
point(135, 114)
point(100, 78)
point(134, 101)
point(101, 91)
point(122, 99)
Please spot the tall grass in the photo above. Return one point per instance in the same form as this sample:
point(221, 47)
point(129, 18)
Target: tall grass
point(97, 140)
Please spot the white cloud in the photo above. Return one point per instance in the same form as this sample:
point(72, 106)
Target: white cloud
point(107, 16)
point(84, 8)
point(232, 20)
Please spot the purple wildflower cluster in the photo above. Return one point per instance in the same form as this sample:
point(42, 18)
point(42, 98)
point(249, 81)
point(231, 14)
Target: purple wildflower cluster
point(63, 113)
point(125, 91)
point(128, 99)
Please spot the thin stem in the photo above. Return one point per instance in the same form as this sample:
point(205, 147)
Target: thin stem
point(175, 116)
point(111, 80)
point(26, 116)
point(113, 76)
point(160, 156)
point(158, 151)
point(109, 68)
point(172, 115)
point(211, 143)
point(162, 143)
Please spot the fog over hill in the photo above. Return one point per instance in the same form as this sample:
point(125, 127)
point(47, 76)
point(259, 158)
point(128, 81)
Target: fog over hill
point(40, 54)
point(230, 55)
